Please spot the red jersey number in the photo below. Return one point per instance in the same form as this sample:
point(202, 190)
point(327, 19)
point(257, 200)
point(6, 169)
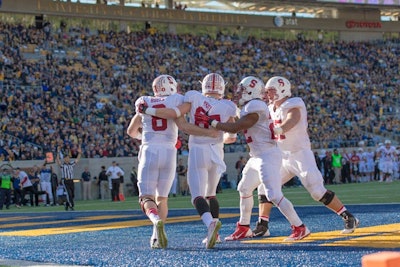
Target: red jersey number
point(158, 124)
point(271, 128)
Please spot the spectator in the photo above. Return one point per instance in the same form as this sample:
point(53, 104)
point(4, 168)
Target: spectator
point(369, 157)
point(54, 185)
point(337, 166)
point(134, 181)
point(362, 165)
point(26, 185)
point(182, 180)
point(61, 194)
point(377, 172)
point(17, 191)
point(346, 171)
point(121, 185)
point(318, 161)
point(62, 102)
point(45, 184)
point(5, 188)
point(114, 172)
point(329, 174)
point(34, 176)
point(103, 184)
point(174, 185)
point(86, 184)
point(355, 166)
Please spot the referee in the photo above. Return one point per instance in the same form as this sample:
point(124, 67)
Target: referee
point(67, 176)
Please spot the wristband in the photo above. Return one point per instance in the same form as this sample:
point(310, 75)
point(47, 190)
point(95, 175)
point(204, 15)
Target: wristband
point(178, 112)
point(214, 123)
point(151, 111)
point(278, 130)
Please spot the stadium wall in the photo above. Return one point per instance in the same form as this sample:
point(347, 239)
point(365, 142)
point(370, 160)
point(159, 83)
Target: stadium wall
point(126, 163)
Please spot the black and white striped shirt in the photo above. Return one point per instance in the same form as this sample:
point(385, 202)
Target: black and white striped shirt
point(67, 170)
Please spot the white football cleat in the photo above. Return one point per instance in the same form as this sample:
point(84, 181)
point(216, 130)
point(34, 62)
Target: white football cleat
point(212, 233)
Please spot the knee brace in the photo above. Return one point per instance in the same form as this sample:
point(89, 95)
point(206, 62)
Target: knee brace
point(214, 206)
point(327, 197)
point(201, 205)
point(142, 201)
point(263, 199)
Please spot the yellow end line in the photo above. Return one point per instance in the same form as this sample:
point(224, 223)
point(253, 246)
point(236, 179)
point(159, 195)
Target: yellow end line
point(83, 219)
point(90, 227)
point(380, 240)
point(382, 236)
point(373, 236)
point(94, 227)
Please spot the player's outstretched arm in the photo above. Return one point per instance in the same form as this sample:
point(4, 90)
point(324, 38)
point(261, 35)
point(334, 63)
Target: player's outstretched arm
point(292, 118)
point(230, 138)
point(169, 113)
point(192, 129)
point(135, 126)
point(243, 123)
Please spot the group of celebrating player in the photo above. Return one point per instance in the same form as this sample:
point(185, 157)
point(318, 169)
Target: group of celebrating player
point(275, 128)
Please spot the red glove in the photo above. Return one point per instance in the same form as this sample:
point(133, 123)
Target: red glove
point(142, 107)
point(201, 117)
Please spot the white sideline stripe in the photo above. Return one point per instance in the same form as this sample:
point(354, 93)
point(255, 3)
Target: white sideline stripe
point(10, 263)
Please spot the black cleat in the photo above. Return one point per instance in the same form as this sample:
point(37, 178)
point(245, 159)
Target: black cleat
point(261, 229)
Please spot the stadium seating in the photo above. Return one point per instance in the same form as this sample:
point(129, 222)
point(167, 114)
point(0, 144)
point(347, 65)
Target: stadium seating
point(351, 89)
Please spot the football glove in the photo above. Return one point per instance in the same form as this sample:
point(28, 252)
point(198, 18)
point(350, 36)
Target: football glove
point(143, 107)
point(201, 117)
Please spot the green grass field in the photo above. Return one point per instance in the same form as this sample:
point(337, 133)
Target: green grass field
point(364, 193)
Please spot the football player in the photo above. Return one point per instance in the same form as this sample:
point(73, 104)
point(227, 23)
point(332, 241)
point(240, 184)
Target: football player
point(387, 161)
point(206, 155)
point(264, 163)
point(157, 153)
point(290, 125)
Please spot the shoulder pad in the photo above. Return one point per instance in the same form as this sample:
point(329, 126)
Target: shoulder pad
point(294, 102)
point(255, 105)
point(191, 94)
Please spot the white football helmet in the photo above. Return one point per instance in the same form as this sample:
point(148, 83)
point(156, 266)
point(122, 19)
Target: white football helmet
point(250, 88)
point(213, 83)
point(281, 85)
point(164, 85)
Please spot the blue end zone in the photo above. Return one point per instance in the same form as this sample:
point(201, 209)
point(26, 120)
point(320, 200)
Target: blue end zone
point(121, 238)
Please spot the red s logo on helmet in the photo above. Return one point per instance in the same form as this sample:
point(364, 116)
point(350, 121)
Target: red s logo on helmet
point(281, 82)
point(253, 83)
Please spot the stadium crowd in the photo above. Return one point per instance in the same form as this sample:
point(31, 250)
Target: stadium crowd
point(75, 87)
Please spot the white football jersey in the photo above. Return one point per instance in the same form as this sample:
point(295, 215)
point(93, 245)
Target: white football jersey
point(217, 109)
point(296, 138)
point(387, 154)
point(156, 129)
point(259, 136)
point(369, 156)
